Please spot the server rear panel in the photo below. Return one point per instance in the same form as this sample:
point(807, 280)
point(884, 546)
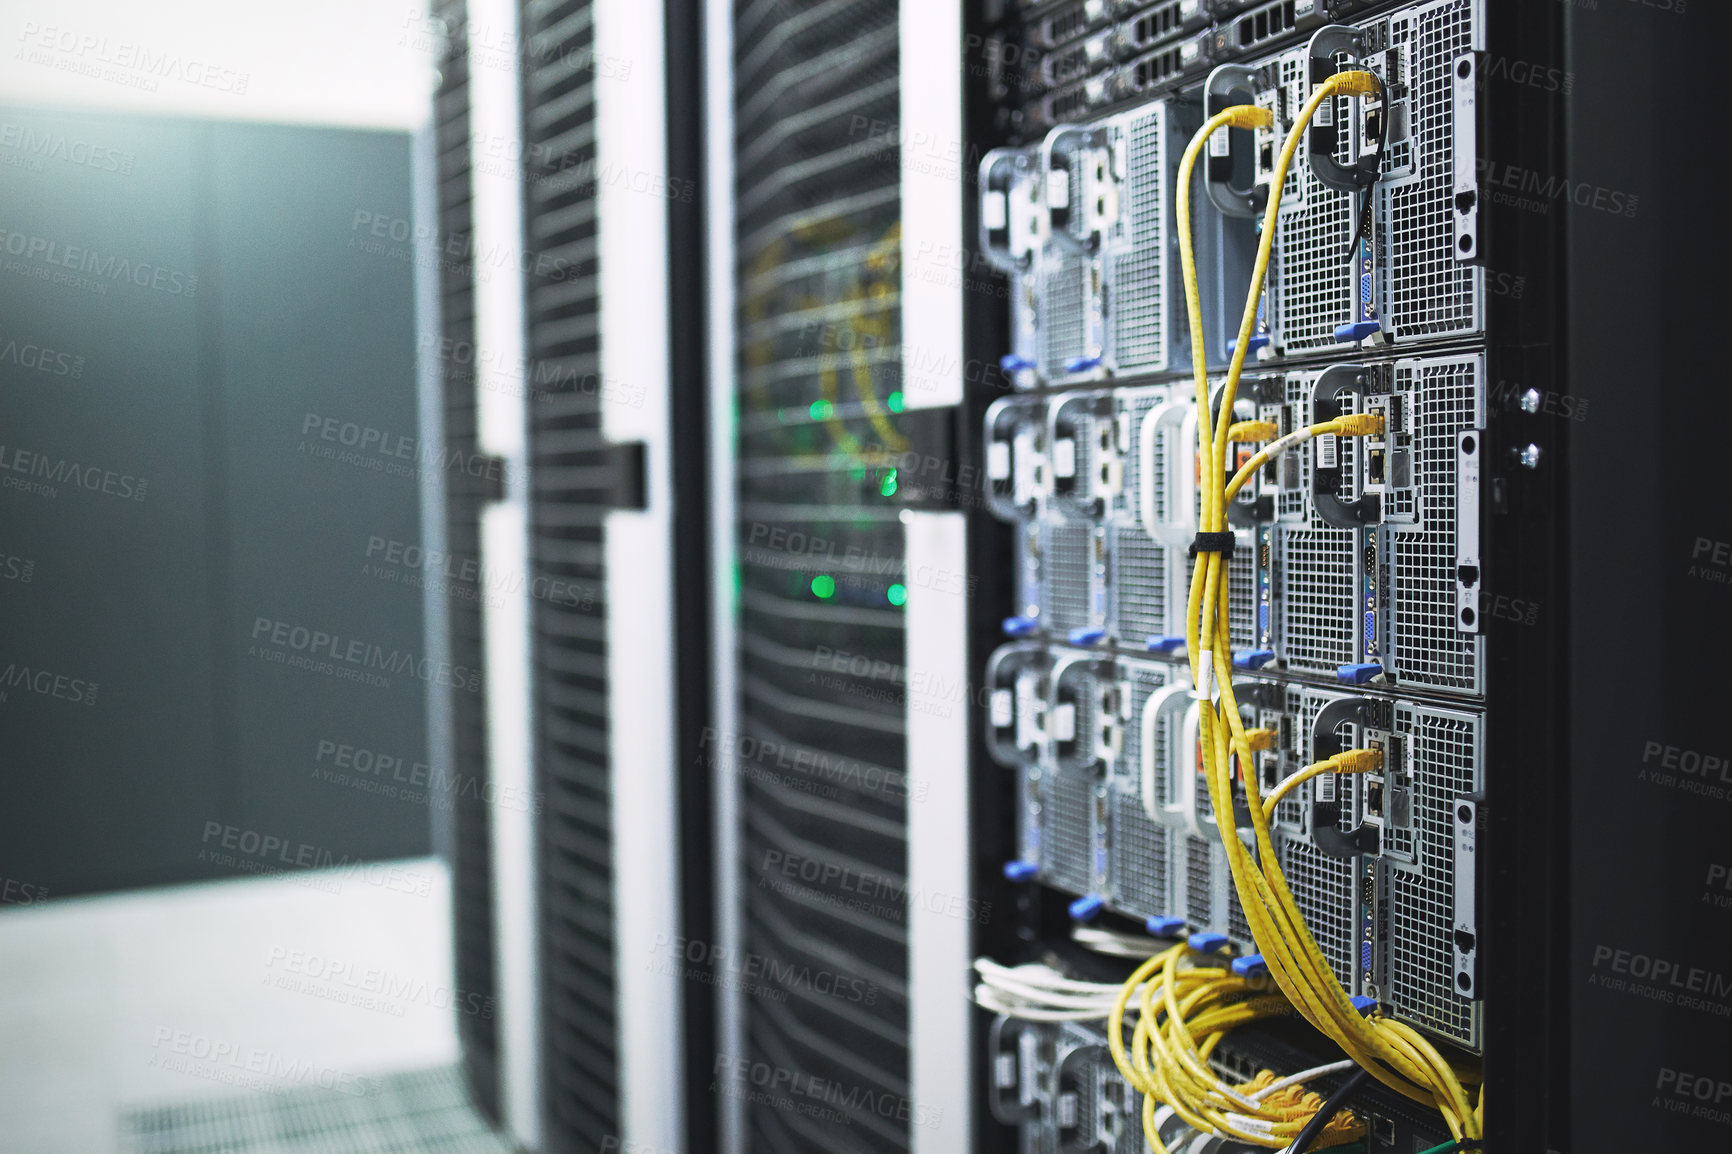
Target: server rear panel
point(1355, 573)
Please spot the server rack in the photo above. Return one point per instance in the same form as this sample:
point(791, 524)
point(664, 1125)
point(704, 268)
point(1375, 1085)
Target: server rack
point(1091, 574)
point(464, 493)
point(1539, 318)
point(814, 745)
point(568, 164)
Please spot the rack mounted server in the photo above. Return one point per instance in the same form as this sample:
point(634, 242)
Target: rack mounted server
point(1356, 577)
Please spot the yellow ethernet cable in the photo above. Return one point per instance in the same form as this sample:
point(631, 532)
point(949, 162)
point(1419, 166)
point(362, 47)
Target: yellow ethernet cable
point(1349, 761)
point(1393, 1053)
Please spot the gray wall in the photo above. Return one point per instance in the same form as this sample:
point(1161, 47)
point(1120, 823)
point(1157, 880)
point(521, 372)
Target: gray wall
point(194, 483)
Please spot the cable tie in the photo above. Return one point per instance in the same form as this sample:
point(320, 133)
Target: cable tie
point(1222, 543)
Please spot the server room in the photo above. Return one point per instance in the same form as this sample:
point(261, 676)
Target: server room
point(864, 577)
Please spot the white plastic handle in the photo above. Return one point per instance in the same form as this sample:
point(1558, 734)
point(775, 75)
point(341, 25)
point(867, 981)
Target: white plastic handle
point(1161, 702)
point(1174, 531)
point(1186, 768)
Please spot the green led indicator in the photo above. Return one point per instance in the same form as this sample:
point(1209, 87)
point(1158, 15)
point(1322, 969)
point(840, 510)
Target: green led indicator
point(898, 594)
point(820, 410)
point(824, 586)
point(888, 488)
point(896, 402)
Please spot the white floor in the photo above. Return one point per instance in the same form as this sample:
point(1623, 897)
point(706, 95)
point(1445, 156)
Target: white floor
point(323, 978)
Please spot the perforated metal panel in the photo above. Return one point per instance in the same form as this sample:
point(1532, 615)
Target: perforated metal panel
point(1242, 599)
point(1140, 866)
point(1067, 831)
point(419, 1112)
point(1200, 881)
point(1313, 285)
point(1447, 752)
point(1430, 293)
point(571, 474)
point(1140, 848)
point(1430, 649)
point(819, 247)
point(1323, 889)
point(1139, 586)
point(1318, 606)
point(1323, 886)
point(1062, 323)
point(1068, 588)
point(1141, 277)
point(465, 496)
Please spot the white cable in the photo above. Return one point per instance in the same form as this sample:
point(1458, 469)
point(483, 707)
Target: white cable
point(1116, 943)
point(1033, 973)
point(990, 999)
point(1034, 995)
point(1303, 1076)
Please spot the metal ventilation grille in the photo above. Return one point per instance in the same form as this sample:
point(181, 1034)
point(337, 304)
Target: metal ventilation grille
point(422, 1112)
point(1446, 767)
point(1431, 293)
point(1318, 614)
point(1067, 582)
point(1199, 881)
point(1238, 925)
point(465, 494)
point(1139, 586)
point(1323, 890)
point(1429, 649)
point(1139, 857)
point(1066, 23)
point(1314, 283)
point(1242, 601)
point(821, 567)
point(1140, 278)
point(1157, 24)
point(1323, 886)
point(1066, 65)
point(1067, 832)
point(1063, 295)
point(570, 474)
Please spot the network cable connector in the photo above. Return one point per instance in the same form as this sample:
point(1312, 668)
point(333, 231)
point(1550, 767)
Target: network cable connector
point(1378, 235)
